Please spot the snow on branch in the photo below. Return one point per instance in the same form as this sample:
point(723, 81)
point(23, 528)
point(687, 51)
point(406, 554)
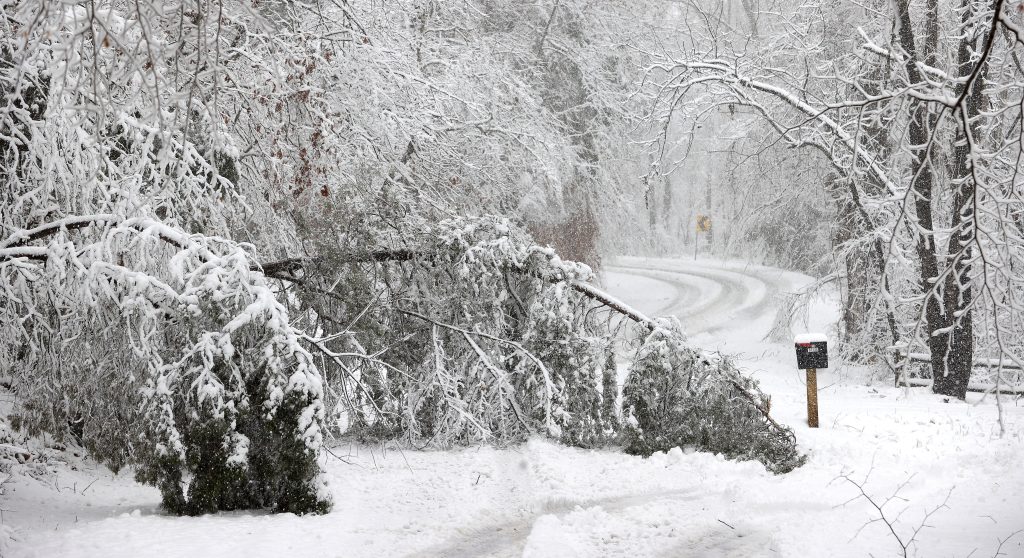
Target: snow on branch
point(291, 270)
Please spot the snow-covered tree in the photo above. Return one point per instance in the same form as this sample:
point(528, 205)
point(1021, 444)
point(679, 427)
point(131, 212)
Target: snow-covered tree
point(912, 115)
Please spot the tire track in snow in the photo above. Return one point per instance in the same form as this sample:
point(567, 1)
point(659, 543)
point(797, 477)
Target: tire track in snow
point(723, 541)
point(725, 294)
point(508, 538)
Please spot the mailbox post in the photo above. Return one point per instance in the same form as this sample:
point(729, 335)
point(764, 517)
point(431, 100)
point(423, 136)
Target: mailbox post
point(811, 354)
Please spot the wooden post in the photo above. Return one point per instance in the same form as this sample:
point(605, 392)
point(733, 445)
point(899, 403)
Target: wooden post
point(812, 397)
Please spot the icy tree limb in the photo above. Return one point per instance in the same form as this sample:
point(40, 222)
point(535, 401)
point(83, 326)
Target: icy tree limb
point(594, 293)
point(15, 245)
point(23, 237)
point(549, 386)
point(291, 269)
point(503, 385)
point(757, 403)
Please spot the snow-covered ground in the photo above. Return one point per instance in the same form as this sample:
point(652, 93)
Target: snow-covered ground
point(913, 450)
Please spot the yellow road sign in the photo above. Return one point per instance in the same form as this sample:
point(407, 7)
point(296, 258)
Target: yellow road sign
point(703, 223)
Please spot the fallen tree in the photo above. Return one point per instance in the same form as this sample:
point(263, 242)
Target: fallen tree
point(477, 335)
point(527, 276)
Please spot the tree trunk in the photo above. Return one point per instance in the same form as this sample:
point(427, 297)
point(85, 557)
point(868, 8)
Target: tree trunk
point(958, 294)
point(950, 340)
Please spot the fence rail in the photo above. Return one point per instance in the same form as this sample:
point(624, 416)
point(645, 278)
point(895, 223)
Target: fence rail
point(975, 386)
point(978, 363)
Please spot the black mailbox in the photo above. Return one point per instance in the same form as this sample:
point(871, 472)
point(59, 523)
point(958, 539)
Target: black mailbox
point(811, 351)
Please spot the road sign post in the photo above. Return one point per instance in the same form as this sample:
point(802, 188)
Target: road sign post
point(703, 226)
point(811, 354)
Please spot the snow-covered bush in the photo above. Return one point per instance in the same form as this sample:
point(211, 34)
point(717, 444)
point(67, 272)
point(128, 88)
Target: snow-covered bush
point(675, 396)
point(164, 350)
point(149, 345)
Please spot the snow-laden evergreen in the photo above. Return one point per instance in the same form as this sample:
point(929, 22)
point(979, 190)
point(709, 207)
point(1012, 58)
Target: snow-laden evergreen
point(676, 396)
point(167, 351)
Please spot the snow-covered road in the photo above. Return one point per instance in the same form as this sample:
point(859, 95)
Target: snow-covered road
point(705, 295)
point(545, 500)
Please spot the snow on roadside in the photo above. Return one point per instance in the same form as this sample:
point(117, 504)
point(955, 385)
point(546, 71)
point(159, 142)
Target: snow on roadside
point(898, 435)
point(545, 500)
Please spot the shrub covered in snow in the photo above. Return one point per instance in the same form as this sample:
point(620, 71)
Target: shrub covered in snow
point(165, 351)
point(675, 396)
